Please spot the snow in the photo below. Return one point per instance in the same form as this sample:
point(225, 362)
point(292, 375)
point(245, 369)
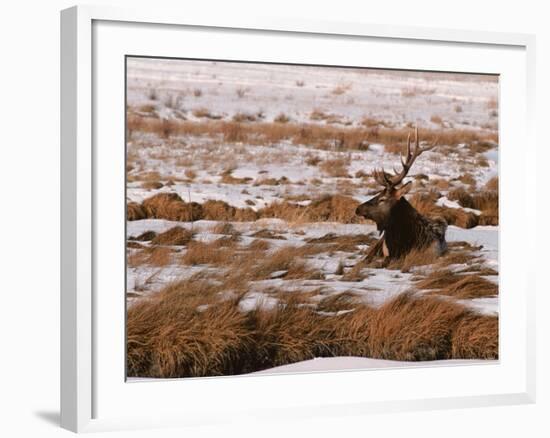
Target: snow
point(175, 89)
point(396, 98)
point(486, 236)
point(349, 94)
point(378, 286)
point(348, 363)
point(255, 300)
point(445, 202)
point(251, 175)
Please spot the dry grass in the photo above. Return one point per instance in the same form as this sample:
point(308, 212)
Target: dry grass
point(436, 119)
point(171, 207)
point(456, 257)
point(476, 337)
point(318, 115)
point(468, 179)
point(244, 117)
point(480, 146)
point(152, 185)
point(425, 204)
point(356, 273)
point(492, 104)
point(281, 118)
point(460, 286)
point(135, 211)
point(228, 178)
point(470, 286)
point(146, 236)
point(147, 108)
point(169, 337)
point(486, 201)
point(370, 122)
point(271, 181)
point(225, 228)
point(174, 236)
point(329, 208)
point(413, 329)
point(201, 112)
point(338, 302)
point(259, 245)
point(264, 233)
point(462, 196)
point(344, 242)
point(482, 161)
point(415, 258)
point(416, 91)
point(190, 174)
point(313, 160)
point(341, 89)
point(492, 184)
point(287, 260)
point(440, 184)
point(218, 210)
point(221, 211)
point(458, 253)
point(217, 253)
point(134, 245)
point(336, 168)
point(312, 134)
point(151, 176)
point(438, 279)
point(151, 256)
point(394, 148)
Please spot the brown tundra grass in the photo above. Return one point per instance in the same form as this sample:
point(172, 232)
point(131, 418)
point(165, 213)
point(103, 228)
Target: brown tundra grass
point(425, 205)
point(461, 286)
point(287, 260)
point(218, 252)
point(316, 135)
point(174, 236)
point(327, 208)
point(187, 330)
point(336, 168)
point(152, 256)
point(486, 201)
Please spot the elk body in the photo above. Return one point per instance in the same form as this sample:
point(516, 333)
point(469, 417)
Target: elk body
point(403, 228)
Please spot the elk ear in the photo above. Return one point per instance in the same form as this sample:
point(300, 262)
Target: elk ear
point(403, 190)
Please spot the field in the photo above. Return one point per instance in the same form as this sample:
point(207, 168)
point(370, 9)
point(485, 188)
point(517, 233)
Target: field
point(244, 252)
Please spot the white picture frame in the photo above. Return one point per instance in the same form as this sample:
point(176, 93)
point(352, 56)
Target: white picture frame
point(82, 178)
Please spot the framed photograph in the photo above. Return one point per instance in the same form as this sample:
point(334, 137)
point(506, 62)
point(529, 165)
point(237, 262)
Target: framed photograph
point(290, 218)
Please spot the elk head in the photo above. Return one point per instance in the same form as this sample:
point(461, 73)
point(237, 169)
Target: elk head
point(380, 206)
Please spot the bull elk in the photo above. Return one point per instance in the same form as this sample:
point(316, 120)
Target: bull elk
point(402, 228)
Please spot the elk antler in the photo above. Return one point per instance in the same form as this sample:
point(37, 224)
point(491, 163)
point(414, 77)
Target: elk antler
point(385, 179)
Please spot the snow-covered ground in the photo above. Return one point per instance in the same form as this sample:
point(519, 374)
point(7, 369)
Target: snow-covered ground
point(349, 363)
point(250, 175)
point(396, 97)
point(379, 286)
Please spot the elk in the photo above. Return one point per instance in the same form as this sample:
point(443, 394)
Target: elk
point(402, 228)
